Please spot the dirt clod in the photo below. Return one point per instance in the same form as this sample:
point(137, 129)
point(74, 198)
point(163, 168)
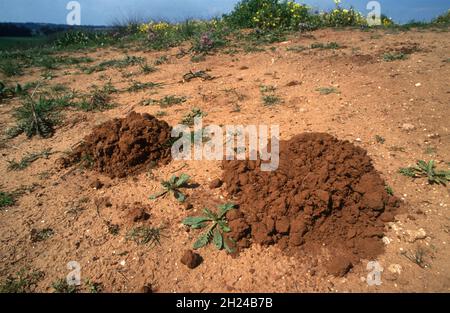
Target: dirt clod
point(125, 146)
point(191, 259)
point(216, 183)
point(325, 192)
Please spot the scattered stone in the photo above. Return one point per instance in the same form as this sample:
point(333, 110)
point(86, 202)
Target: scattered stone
point(395, 268)
point(243, 68)
point(339, 267)
point(96, 184)
point(216, 183)
point(191, 259)
point(293, 83)
point(414, 235)
point(408, 127)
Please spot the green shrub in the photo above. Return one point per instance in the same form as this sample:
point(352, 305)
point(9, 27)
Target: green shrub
point(443, 19)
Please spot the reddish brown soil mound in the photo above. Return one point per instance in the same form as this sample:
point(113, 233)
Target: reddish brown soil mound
point(325, 193)
point(125, 146)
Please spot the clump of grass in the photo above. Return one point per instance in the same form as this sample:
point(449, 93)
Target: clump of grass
point(10, 92)
point(98, 100)
point(9, 68)
point(424, 169)
point(268, 95)
point(6, 199)
point(296, 49)
point(36, 118)
point(327, 90)
point(28, 159)
point(166, 101)
point(173, 186)
point(379, 139)
point(38, 235)
point(417, 256)
point(23, 282)
point(161, 113)
point(198, 58)
point(217, 227)
point(147, 69)
point(330, 45)
point(145, 235)
point(189, 118)
point(389, 190)
point(61, 286)
point(390, 57)
point(137, 86)
point(161, 60)
point(94, 287)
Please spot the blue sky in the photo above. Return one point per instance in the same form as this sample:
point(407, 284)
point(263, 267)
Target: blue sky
point(105, 12)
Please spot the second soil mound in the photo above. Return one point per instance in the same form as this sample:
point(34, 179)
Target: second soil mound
point(125, 146)
point(325, 193)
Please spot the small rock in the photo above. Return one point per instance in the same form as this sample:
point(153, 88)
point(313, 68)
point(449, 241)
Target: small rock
point(138, 214)
point(188, 206)
point(339, 267)
point(191, 259)
point(418, 84)
point(96, 184)
point(408, 127)
point(414, 235)
point(395, 268)
point(216, 183)
point(293, 83)
point(147, 289)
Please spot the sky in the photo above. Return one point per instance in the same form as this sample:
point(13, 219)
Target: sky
point(106, 12)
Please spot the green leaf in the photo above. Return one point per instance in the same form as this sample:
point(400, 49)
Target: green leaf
point(182, 180)
point(210, 214)
point(159, 194)
point(173, 180)
point(202, 241)
point(179, 196)
point(218, 239)
point(224, 208)
point(195, 220)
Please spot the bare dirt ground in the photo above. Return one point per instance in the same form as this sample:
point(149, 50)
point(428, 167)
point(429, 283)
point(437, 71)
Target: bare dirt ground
point(374, 98)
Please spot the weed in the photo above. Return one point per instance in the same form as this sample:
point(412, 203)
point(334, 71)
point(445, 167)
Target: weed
point(271, 100)
point(166, 101)
point(113, 229)
point(389, 190)
point(59, 88)
point(189, 118)
point(9, 69)
point(6, 199)
point(36, 117)
point(161, 60)
point(390, 57)
point(23, 282)
point(9, 92)
point(161, 113)
point(137, 86)
point(199, 74)
point(296, 49)
point(430, 150)
point(417, 256)
point(147, 69)
point(94, 287)
point(99, 100)
point(145, 235)
point(173, 186)
point(198, 58)
point(424, 169)
point(61, 286)
point(86, 161)
point(28, 159)
point(217, 227)
point(331, 45)
point(327, 90)
point(379, 139)
point(38, 235)
point(268, 95)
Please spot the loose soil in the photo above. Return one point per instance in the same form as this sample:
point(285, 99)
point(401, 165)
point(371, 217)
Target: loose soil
point(125, 146)
point(325, 192)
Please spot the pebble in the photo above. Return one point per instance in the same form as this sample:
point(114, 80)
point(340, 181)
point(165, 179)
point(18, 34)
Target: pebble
point(408, 127)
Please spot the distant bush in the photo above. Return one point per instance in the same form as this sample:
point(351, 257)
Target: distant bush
point(340, 17)
point(81, 39)
point(442, 19)
point(268, 14)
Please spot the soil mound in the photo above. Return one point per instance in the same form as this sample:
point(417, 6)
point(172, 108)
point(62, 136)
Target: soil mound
point(325, 193)
point(125, 146)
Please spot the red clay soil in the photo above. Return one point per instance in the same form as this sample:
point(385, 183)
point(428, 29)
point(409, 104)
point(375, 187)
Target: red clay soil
point(325, 193)
point(125, 146)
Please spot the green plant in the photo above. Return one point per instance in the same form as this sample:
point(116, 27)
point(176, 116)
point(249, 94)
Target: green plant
point(189, 118)
point(330, 45)
point(389, 190)
point(268, 95)
point(198, 58)
point(28, 159)
point(327, 90)
point(6, 199)
point(216, 224)
point(10, 69)
point(296, 49)
point(173, 186)
point(161, 60)
point(23, 282)
point(380, 139)
point(61, 286)
point(9, 92)
point(417, 256)
point(137, 86)
point(94, 287)
point(38, 235)
point(147, 69)
point(424, 169)
point(145, 235)
point(390, 57)
point(36, 117)
point(166, 101)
